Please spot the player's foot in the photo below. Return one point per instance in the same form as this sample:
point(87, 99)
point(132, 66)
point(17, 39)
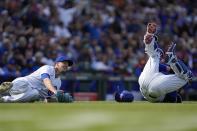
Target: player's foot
point(5, 86)
point(171, 56)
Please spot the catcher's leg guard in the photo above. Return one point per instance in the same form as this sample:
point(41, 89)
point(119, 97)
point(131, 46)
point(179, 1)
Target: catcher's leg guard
point(178, 66)
point(171, 56)
point(182, 70)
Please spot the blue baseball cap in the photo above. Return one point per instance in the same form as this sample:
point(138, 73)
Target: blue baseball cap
point(64, 59)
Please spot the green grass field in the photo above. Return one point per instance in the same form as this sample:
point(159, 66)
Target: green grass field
point(99, 116)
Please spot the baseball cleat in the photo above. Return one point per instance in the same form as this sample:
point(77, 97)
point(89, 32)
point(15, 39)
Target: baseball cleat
point(5, 86)
point(171, 56)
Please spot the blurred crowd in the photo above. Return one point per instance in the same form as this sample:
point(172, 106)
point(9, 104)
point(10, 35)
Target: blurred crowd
point(99, 35)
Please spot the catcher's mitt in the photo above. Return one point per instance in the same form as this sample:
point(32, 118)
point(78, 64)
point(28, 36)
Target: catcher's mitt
point(63, 97)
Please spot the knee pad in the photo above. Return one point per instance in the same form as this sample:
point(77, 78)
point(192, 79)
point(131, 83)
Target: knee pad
point(124, 96)
point(181, 70)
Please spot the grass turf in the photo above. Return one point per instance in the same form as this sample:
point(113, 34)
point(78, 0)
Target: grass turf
point(99, 116)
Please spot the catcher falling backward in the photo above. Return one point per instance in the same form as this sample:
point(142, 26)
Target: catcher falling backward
point(154, 85)
point(37, 85)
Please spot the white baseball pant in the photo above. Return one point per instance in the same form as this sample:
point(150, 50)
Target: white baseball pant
point(21, 92)
point(154, 84)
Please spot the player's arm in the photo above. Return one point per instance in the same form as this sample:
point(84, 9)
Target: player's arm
point(60, 95)
point(150, 33)
point(47, 82)
point(49, 86)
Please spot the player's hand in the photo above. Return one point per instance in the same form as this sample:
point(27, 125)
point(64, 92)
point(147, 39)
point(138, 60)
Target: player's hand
point(151, 28)
point(150, 32)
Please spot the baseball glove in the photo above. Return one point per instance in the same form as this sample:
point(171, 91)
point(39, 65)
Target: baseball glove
point(63, 97)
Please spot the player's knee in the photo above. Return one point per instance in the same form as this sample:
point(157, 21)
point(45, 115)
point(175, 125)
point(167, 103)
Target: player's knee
point(15, 90)
point(140, 79)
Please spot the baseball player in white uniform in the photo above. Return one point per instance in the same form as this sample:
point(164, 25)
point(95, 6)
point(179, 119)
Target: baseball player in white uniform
point(154, 85)
point(37, 85)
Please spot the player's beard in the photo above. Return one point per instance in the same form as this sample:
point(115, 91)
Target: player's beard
point(58, 72)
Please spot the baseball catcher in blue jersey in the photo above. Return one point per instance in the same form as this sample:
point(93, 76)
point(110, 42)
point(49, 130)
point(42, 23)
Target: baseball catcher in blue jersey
point(37, 85)
point(154, 85)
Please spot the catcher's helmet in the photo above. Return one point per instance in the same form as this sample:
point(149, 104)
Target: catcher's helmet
point(124, 96)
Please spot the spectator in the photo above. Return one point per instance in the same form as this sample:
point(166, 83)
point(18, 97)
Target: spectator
point(98, 35)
